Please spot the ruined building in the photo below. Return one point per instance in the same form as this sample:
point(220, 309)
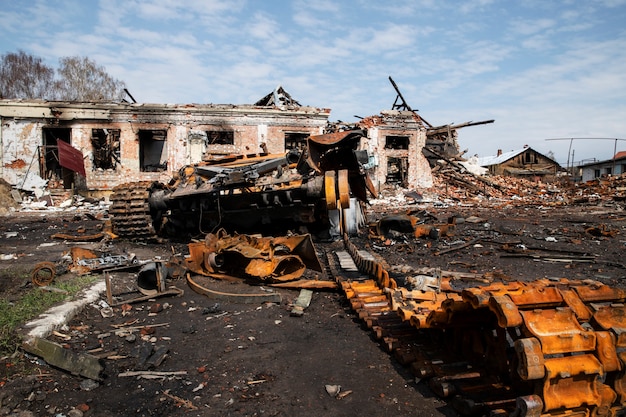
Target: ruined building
point(112, 143)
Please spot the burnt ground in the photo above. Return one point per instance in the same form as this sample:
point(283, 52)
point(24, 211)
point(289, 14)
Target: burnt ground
point(236, 359)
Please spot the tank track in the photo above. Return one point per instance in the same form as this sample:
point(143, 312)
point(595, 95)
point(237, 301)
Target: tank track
point(130, 213)
point(540, 348)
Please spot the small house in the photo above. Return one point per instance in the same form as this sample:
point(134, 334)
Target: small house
point(525, 163)
point(597, 169)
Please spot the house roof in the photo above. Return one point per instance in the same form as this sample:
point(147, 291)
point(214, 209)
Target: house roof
point(620, 156)
point(486, 161)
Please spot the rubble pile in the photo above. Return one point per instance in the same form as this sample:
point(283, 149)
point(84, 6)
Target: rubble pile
point(459, 183)
point(600, 189)
point(463, 186)
point(7, 203)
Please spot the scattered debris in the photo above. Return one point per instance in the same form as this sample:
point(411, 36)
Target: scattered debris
point(56, 355)
point(180, 402)
point(302, 302)
point(43, 274)
point(335, 391)
point(243, 297)
point(332, 390)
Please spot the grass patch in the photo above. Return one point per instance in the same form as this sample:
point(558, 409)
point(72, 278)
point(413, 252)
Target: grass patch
point(34, 302)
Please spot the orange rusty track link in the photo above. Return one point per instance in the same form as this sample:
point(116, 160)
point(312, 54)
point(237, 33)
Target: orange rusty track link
point(540, 348)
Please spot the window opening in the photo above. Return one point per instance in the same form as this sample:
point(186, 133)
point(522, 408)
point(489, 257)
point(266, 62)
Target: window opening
point(396, 142)
point(295, 140)
point(106, 148)
point(397, 171)
point(49, 166)
point(220, 137)
point(153, 150)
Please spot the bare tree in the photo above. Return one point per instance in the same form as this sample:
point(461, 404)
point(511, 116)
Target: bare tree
point(23, 76)
point(81, 79)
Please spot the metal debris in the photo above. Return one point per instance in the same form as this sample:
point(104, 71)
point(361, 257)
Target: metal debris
point(268, 259)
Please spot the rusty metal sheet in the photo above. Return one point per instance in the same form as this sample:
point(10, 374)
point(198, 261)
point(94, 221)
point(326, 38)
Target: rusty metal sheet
point(71, 158)
point(334, 151)
point(331, 139)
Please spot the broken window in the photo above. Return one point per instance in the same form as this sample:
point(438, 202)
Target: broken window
point(220, 137)
point(152, 150)
point(529, 158)
point(608, 171)
point(106, 148)
point(397, 142)
point(397, 171)
point(596, 173)
point(295, 140)
point(49, 166)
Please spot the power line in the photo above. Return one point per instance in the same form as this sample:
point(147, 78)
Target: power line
point(573, 139)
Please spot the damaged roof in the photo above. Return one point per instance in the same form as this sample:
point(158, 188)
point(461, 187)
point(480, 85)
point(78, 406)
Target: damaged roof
point(486, 161)
point(278, 97)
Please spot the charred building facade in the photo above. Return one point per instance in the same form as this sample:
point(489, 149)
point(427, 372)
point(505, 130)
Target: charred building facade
point(112, 143)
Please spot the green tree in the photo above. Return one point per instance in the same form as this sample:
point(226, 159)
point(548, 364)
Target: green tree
point(23, 76)
point(81, 79)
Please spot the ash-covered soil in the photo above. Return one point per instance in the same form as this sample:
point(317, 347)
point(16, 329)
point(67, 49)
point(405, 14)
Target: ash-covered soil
point(235, 359)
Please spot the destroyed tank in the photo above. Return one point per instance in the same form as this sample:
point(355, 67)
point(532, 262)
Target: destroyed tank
point(248, 193)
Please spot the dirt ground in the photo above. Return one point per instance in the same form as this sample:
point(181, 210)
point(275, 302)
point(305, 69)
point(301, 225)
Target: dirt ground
point(231, 359)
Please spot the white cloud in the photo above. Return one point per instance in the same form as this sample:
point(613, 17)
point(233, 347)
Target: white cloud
point(539, 68)
point(264, 27)
point(474, 5)
point(531, 26)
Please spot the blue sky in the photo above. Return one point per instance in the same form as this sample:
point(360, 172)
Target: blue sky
point(541, 68)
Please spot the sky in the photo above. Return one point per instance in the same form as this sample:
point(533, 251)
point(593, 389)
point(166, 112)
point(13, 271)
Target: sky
point(542, 69)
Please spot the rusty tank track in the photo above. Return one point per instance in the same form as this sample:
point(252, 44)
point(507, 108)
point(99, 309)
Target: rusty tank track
point(130, 211)
point(541, 348)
